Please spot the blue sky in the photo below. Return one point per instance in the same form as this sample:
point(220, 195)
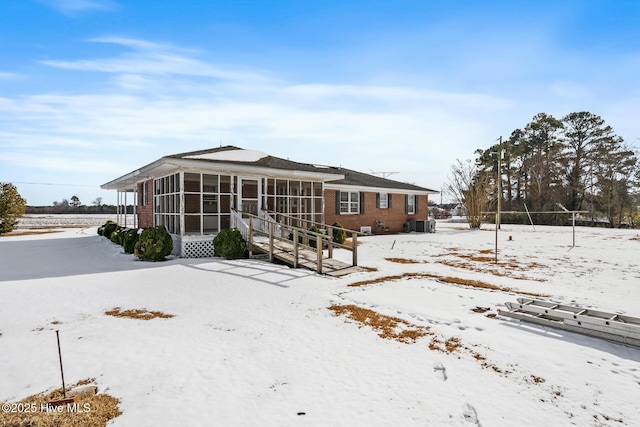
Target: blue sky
point(92, 89)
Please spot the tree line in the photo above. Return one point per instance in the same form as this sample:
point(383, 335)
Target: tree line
point(576, 163)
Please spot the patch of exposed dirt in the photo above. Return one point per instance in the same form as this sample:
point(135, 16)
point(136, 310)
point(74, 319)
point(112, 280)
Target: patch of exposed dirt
point(377, 280)
point(400, 330)
point(447, 346)
point(405, 261)
point(387, 327)
point(607, 418)
point(507, 266)
point(140, 314)
point(450, 280)
point(89, 409)
point(535, 379)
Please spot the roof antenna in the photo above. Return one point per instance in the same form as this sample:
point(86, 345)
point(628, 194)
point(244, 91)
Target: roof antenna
point(384, 174)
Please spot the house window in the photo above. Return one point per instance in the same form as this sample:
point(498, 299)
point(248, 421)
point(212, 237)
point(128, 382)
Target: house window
point(411, 204)
point(383, 203)
point(145, 192)
point(349, 202)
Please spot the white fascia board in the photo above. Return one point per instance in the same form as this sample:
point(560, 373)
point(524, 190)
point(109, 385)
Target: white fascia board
point(358, 188)
point(130, 180)
point(248, 170)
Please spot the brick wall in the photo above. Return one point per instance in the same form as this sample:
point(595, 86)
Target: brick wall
point(393, 218)
point(145, 212)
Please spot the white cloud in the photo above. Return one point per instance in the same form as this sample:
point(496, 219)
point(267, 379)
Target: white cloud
point(59, 163)
point(150, 58)
point(71, 6)
point(424, 135)
point(160, 99)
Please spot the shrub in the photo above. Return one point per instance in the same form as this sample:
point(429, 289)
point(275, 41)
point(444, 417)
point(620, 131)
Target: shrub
point(229, 244)
point(153, 244)
point(313, 239)
point(130, 239)
point(300, 237)
point(118, 235)
point(114, 235)
point(108, 228)
point(339, 235)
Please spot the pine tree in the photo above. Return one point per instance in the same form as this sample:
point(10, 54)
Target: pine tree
point(12, 207)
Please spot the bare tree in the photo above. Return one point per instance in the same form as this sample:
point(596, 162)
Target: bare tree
point(470, 187)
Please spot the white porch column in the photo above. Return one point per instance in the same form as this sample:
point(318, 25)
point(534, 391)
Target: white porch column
point(181, 203)
point(118, 206)
point(135, 207)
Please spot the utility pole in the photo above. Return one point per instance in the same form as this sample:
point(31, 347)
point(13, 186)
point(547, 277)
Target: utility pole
point(499, 182)
point(499, 195)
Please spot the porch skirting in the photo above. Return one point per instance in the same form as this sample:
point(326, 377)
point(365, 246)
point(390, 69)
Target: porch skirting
point(192, 246)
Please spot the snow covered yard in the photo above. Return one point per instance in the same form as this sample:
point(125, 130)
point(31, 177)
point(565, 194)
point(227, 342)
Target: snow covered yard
point(253, 343)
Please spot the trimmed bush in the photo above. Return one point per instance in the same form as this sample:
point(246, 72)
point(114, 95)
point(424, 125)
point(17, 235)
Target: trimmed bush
point(114, 235)
point(339, 235)
point(154, 244)
point(129, 240)
point(118, 235)
point(229, 244)
point(108, 228)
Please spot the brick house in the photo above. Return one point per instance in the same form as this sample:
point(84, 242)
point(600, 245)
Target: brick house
point(195, 194)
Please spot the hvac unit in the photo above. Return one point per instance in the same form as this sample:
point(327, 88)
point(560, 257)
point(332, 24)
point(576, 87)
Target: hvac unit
point(417, 225)
point(421, 226)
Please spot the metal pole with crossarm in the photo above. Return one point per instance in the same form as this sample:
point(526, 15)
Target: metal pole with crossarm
point(499, 195)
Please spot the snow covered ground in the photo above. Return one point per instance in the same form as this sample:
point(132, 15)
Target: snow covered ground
point(53, 221)
point(254, 343)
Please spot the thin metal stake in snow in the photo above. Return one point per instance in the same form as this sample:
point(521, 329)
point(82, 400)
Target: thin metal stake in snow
point(64, 394)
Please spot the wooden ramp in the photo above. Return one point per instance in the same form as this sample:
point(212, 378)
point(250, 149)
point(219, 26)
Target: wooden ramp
point(292, 244)
point(307, 258)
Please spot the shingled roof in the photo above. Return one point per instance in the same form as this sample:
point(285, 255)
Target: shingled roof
point(351, 177)
point(231, 155)
point(265, 161)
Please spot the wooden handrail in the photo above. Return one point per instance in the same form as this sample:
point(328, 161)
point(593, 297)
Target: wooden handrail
point(319, 224)
point(322, 236)
point(296, 232)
